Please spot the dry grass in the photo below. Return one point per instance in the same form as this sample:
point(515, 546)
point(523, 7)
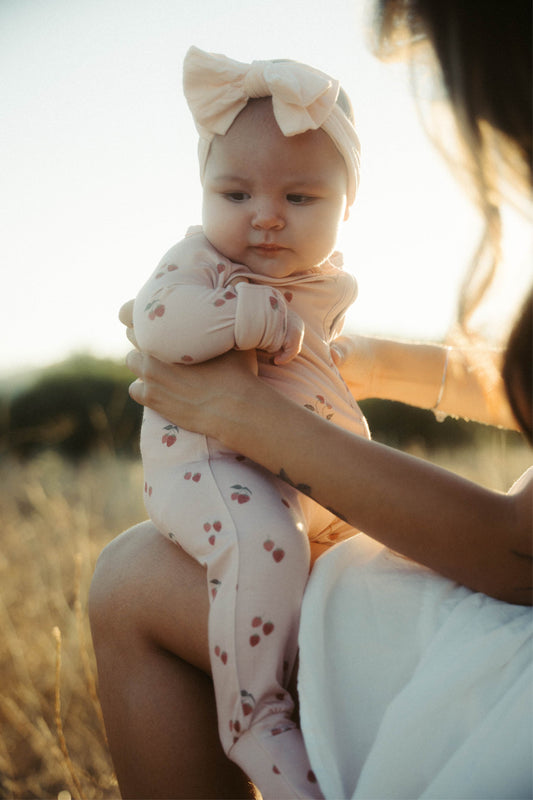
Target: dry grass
point(55, 520)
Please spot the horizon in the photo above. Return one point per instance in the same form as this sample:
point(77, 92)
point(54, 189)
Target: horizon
point(100, 173)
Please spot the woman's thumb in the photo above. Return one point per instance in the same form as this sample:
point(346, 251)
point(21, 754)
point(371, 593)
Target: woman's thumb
point(337, 353)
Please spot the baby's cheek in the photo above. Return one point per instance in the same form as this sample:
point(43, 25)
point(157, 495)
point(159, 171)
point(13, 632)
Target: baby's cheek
point(217, 231)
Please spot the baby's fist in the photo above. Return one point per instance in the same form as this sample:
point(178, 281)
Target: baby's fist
point(293, 339)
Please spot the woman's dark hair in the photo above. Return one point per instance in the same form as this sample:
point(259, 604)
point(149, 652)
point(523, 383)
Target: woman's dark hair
point(484, 51)
point(518, 369)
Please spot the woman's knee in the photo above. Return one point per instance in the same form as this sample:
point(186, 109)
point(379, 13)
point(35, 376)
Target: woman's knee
point(147, 592)
point(117, 573)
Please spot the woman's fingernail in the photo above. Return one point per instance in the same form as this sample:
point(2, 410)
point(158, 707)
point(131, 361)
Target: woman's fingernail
point(336, 353)
point(134, 389)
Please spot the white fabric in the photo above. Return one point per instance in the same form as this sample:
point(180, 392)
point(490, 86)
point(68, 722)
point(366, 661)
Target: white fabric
point(410, 685)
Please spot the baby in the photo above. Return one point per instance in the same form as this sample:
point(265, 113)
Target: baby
point(279, 162)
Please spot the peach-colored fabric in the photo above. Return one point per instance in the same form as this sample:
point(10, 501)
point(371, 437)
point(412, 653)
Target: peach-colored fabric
point(188, 311)
point(250, 529)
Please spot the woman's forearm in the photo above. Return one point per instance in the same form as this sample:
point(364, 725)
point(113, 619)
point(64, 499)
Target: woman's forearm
point(473, 535)
point(413, 373)
point(476, 536)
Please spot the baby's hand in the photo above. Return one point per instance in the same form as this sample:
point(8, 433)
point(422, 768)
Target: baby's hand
point(293, 339)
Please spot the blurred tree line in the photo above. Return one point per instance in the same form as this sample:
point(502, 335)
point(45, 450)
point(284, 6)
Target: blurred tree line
point(78, 407)
point(81, 406)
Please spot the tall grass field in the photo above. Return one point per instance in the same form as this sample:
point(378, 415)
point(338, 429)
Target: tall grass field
point(55, 519)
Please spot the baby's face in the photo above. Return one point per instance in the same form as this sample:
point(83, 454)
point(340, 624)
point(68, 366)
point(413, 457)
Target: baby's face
point(271, 202)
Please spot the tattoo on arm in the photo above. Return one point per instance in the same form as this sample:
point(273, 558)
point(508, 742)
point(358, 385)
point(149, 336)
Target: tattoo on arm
point(305, 489)
point(527, 556)
point(337, 514)
point(302, 487)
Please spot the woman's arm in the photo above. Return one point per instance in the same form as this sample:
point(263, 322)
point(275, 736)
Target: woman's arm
point(412, 372)
point(473, 535)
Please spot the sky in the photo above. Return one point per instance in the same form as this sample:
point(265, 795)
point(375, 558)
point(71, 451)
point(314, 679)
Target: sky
point(99, 174)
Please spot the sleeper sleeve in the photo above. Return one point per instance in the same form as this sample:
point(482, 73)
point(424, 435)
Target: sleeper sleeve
point(178, 321)
point(261, 318)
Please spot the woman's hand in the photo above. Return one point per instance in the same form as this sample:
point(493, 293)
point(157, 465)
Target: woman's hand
point(188, 396)
point(355, 356)
point(467, 382)
point(192, 396)
point(125, 315)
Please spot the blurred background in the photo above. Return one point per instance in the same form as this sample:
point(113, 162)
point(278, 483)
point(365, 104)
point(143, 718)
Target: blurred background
point(99, 171)
point(98, 179)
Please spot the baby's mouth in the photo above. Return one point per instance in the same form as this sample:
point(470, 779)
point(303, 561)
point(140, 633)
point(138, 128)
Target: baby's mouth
point(268, 247)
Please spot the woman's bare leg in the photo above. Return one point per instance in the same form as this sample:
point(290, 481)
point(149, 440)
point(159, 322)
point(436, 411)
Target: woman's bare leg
point(148, 608)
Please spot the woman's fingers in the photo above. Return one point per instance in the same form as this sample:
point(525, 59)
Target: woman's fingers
point(125, 314)
point(165, 388)
point(134, 362)
point(130, 333)
point(355, 356)
point(338, 353)
point(186, 395)
point(344, 349)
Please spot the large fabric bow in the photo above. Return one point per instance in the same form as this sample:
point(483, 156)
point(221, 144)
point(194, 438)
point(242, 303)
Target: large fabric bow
point(217, 88)
point(303, 98)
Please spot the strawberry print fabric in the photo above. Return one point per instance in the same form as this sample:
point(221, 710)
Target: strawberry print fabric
point(250, 529)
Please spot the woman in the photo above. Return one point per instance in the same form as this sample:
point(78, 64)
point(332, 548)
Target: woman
point(148, 605)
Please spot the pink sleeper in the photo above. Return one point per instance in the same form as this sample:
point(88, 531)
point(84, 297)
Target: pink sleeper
point(249, 528)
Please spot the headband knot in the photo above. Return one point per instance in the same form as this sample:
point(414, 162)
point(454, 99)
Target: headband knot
point(217, 88)
point(255, 84)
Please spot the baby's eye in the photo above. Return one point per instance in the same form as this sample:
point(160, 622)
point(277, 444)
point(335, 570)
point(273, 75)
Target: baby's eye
point(298, 199)
point(236, 197)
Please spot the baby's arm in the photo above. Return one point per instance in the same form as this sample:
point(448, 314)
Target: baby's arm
point(287, 328)
point(190, 310)
point(294, 332)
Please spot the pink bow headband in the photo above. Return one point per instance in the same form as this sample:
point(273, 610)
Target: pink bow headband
point(303, 98)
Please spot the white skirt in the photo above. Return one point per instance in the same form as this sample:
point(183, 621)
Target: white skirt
point(412, 686)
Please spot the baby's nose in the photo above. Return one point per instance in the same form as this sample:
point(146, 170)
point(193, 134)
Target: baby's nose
point(267, 216)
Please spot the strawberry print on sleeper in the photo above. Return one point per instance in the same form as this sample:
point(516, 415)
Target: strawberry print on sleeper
point(250, 529)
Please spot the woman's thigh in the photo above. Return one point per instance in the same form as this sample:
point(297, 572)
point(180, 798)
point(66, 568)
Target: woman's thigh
point(145, 587)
